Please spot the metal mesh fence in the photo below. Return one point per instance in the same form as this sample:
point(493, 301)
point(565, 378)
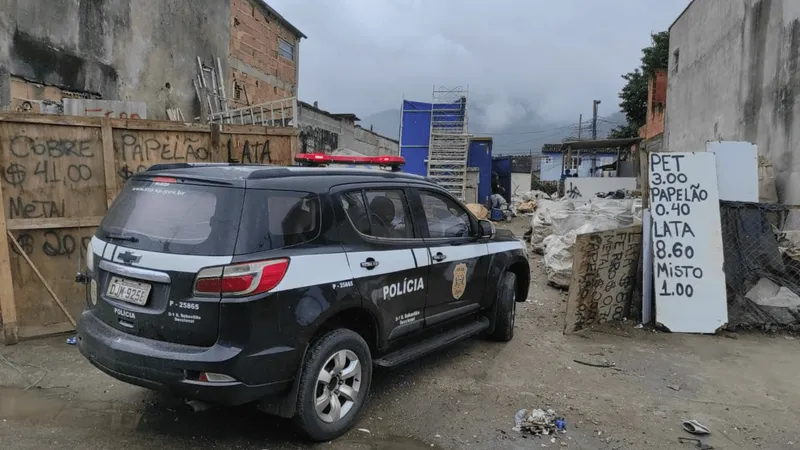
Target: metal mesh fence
point(762, 263)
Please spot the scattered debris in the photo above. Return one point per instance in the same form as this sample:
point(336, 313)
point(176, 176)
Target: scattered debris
point(72, 340)
point(364, 430)
point(695, 427)
point(674, 387)
point(479, 210)
point(696, 442)
point(603, 365)
point(539, 422)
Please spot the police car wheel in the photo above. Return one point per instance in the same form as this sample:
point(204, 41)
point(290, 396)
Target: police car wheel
point(506, 309)
point(334, 384)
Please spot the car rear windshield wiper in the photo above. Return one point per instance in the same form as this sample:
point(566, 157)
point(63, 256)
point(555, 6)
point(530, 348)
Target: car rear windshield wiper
point(119, 237)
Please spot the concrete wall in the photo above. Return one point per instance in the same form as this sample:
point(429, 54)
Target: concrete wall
point(114, 49)
point(321, 131)
point(374, 144)
point(256, 64)
point(733, 75)
point(551, 169)
point(584, 189)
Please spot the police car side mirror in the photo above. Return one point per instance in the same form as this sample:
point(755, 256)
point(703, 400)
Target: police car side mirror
point(486, 228)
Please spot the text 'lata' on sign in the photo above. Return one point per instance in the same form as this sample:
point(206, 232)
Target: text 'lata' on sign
point(603, 276)
point(687, 242)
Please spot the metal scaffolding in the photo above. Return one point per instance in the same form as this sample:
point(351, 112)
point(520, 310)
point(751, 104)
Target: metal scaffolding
point(449, 139)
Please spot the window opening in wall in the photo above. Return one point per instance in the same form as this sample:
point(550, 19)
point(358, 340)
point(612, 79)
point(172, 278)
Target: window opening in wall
point(676, 55)
point(286, 49)
point(575, 163)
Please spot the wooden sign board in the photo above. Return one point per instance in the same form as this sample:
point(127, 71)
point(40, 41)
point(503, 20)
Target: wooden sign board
point(603, 276)
point(687, 242)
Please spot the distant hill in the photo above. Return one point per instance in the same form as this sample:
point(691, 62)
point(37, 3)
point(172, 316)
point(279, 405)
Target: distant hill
point(519, 136)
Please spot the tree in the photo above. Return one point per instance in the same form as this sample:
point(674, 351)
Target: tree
point(634, 94)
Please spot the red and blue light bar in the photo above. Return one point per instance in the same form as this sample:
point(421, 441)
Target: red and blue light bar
point(321, 158)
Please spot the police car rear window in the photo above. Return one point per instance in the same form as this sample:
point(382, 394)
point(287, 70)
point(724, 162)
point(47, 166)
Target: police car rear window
point(174, 218)
point(274, 219)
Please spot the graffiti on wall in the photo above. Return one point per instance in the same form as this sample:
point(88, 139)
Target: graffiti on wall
point(314, 139)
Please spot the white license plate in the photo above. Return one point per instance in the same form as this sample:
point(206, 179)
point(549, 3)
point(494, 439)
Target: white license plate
point(128, 291)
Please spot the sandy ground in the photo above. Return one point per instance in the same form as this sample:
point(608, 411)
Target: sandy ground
point(742, 386)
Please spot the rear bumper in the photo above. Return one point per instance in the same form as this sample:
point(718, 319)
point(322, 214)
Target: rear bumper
point(163, 366)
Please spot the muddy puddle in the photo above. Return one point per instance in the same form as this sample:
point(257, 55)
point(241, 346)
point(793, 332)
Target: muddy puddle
point(170, 420)
point(45, 407)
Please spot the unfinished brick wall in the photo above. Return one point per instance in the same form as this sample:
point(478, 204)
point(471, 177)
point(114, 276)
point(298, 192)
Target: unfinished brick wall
point(261, 74)
point(656, 105)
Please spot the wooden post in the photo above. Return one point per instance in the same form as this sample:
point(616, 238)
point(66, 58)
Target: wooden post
point(107, 136)
point(8, 305)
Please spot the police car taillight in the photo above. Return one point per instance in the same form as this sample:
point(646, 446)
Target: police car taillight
point(241, 279)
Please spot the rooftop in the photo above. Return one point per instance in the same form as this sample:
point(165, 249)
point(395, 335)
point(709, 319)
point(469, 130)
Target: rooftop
point(270, 11)
point(230, 174)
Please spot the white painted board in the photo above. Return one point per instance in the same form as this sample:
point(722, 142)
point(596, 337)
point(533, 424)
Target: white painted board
point(737, 170)
point(687, 242)
point(583, 189)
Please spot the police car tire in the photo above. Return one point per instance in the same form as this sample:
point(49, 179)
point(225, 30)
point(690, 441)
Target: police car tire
point(318, 354)
point(505, 309)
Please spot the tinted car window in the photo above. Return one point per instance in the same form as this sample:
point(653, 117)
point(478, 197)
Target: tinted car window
point(174, 218)
point(277, 219)
point(379, 213)
point(446, 219)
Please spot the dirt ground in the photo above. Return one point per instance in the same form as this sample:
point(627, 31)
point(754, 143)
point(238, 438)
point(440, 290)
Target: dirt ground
point(742, 386)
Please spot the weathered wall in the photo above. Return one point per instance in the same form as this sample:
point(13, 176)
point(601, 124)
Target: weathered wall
point(552, 170)
point(733, 75)
point(57, 177)
point(256, 63)
point(373, 144)
point(321, 131)
point(121, 50)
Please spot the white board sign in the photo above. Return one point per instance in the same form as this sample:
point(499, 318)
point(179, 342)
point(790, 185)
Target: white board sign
point(687, 242)
point(583, 189)
point(737, 170)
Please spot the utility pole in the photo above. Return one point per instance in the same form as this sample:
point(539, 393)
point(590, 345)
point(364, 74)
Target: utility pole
point(594, 119)
point(594, 135)
point(580, 126)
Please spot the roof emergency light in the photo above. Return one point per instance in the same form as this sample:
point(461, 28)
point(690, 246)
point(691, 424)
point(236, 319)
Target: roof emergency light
point(321, 159)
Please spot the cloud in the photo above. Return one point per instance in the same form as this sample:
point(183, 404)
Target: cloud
point(553, 57)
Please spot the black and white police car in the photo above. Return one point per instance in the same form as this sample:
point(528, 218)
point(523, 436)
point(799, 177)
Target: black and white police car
point(284, 286)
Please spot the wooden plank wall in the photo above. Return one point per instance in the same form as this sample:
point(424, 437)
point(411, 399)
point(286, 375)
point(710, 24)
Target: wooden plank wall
point(58, 175)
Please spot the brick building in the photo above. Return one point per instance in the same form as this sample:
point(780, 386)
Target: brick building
point(264, 53)
point(85, 50)
point(656, 105)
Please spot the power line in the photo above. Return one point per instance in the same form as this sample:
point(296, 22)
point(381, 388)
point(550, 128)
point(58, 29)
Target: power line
point(543, 130)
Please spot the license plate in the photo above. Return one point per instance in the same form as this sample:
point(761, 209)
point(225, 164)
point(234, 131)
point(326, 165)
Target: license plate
point(128, 291)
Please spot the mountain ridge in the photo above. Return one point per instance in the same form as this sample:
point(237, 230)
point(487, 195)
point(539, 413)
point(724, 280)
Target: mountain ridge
point(519, 136)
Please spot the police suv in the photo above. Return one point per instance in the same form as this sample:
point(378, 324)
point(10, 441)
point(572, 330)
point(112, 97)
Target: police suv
point(285, 286)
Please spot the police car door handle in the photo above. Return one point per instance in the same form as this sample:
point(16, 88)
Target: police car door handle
point(369, 264)
point(439, 257)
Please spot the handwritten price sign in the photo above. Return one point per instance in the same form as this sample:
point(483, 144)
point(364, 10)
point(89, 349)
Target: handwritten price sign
point(687, 242)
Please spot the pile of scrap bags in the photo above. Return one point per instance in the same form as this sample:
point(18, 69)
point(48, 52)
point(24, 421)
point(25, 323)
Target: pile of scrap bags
point(557, 223)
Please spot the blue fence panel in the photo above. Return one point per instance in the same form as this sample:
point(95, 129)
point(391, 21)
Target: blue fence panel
point(480, 156)
point(502, 166)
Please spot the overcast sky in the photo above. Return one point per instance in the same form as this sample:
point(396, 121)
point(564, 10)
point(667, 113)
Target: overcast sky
point(548, 56)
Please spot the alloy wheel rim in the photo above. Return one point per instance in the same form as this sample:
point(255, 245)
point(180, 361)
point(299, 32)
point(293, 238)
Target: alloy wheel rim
point(338, 385)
